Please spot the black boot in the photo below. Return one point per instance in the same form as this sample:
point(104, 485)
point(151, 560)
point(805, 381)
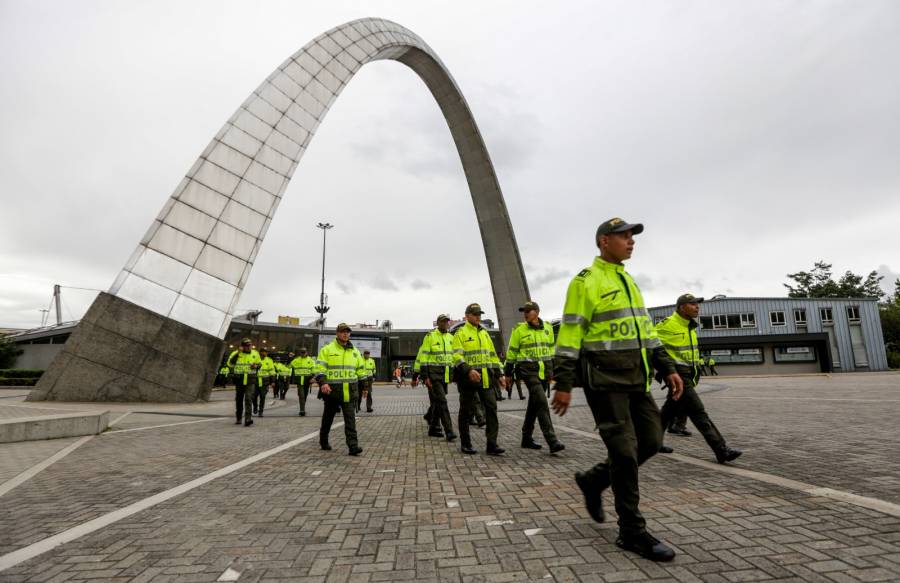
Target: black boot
point(646, 545)
point(593, 499)
point(665, 449)
point(325, 446)
point(529, 443)
point(468, 449)
point(451, 436)
point(355, 450)
point(726, 454)
point(435, 433)
point(556, 447)
point(494, 449)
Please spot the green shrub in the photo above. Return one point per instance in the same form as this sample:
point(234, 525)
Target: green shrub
point(893, 359)
point(21, 373)
point(8, 382)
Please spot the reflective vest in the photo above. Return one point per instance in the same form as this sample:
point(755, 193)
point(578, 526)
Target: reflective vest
point(679, 337)
point(369, 367)
point(436, 354)
point(474, 347)
point(303, 366)
point(283, 370)
point(224, 370)
point(241, 363)
point(266, 369)
point(605, 319)
point(337, 364)
point(712, 361)
point(532, 345)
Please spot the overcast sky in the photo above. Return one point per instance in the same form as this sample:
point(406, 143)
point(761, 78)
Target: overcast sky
point(751, 138)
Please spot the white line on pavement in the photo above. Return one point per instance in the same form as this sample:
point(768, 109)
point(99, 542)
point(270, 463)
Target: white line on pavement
point(120, 417)
point(118, 431)
point(864, 501)
point(33, 550)
point(38, 468)
point(805, 399)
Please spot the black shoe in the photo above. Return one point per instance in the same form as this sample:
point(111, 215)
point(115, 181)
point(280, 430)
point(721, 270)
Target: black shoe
point(529, 443)
point(646, 545)
point(665, 449)
point(355, 450)
point(238, 422)
point(254, 411)
point(468, 449)
point(427, 417)
point(302, 413)
point(556, 447)
point(261, 414)
point(727, 454)
point(593, 499)
point(248, 422)
point(451, 436)
point(680, 431)
point(370, 410)
point(494, 450)
point(325, 446)
point(521, 397)
point(435, 433)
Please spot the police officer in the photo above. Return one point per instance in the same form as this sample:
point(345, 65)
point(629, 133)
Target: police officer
point(222, 376)
point(530, 354)
point(365, 385)
point(606, 324)
point(266, 378)
point(244, 364)
point(435, 360)
point(303, 368)
point(283, 373)
point(339, 367)
point(712, 366)
point(477, 370)
point(678, 334)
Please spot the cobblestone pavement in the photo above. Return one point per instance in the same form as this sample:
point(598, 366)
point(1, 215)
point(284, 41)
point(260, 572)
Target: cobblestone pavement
point(413, 508)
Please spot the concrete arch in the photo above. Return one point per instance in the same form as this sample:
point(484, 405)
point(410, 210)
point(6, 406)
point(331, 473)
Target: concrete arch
point(182, 283)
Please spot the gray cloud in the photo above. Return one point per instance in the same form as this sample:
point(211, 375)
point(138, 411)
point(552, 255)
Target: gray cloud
point(346, 288)
point(383, 283)
point(418, 284)
point(551, 275)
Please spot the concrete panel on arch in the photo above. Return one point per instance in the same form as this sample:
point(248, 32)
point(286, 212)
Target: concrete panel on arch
point(187, 273)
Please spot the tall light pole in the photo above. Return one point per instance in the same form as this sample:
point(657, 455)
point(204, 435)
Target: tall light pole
point(322, 309)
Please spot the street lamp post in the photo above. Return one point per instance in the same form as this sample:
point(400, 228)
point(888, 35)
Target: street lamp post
point(322, 309)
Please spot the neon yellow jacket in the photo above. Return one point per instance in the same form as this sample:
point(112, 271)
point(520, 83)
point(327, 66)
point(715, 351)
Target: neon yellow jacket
point(241, 363)
point(473, 348)
point(679, 337)
point(435, 356)
point(340, 366)
point(531, 349)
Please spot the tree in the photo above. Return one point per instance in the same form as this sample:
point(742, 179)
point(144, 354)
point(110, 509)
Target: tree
point(890, 326)
point(819, 283)
point(8, 352)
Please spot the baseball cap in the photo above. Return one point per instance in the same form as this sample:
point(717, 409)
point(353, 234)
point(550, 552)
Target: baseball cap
point(474, 309)
point(617, 225)
point(442, 317)
point(302, 349)
point(343, 326)
point(366, 352)
point(246, 341)
point(687, 299)
point(529, 306)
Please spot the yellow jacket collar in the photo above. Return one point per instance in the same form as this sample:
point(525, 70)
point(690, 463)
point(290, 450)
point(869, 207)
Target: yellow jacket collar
point(600, 263)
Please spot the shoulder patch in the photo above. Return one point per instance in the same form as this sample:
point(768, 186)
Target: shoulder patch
point(583, 273)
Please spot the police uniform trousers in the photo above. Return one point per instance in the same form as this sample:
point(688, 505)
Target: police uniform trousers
point(690, 405)
point(629, 424)
point(303, 383)
point(538, 409)
point(283, 383)
point(369, 384)
point(262, 391)
point(469, 395)
point(440, 411)
point(334, 403)
point(244, 393)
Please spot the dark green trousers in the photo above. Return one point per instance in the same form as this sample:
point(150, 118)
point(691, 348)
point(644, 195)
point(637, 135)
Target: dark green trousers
point(469, 395)
point(303, 383)
point(690, 404)
point(334, 404)
point(440, 412)
point(629, 423)
point(537, 409)
point(243, 397)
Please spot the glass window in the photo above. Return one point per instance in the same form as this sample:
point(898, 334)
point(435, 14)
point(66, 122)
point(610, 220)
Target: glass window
point(777, 318)
point(826, 316)
point(706, 322)
point(736, 355)
point(795, 354)
point(720, 321)
point(800, 317)
point(748, 320)
point(853, 313)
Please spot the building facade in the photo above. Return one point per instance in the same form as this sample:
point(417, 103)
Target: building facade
point(789, 335)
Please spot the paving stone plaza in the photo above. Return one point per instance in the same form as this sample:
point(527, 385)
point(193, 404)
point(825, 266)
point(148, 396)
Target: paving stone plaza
point(180, 493)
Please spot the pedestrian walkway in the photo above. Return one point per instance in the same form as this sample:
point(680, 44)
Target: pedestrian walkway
point(171, 494)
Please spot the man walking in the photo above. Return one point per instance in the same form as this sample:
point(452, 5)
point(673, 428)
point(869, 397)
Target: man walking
point(678, 334)
point(303, 368)
point(339, 367)
point(530, 354)
point(477, 370)
point(435, 359)
point(606, 324)
point(244, 364)
point(365, 385)
point(266, 378)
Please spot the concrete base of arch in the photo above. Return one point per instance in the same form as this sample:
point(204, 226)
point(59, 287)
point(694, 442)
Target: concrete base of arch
point(123, 352)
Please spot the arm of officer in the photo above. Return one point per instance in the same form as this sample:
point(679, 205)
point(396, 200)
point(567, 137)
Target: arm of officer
point(575, 321)
point(320, 371)
point(459, 362)
point(665, 368)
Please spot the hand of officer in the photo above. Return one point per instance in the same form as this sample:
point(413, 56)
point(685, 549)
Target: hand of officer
point(428, 383)
point(502, 382)
point(325, 389)
point(560, 402)
point(474, 376)
point(365, 394)
point(674, 382)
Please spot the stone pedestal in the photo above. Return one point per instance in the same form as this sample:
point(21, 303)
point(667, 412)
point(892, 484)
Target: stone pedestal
point(123, 352)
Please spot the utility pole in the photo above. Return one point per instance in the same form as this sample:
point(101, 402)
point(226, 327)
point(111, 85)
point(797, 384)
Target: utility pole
point(56, 300)
point(322, 309)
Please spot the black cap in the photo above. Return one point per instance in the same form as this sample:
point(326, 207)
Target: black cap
point(442, 317)
point(366, 352)
point(344, 327)
point(302, 349)
point(617, 225)
point(530, 306)
point(474, 309)
point(687, 299)
point(246, 341)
